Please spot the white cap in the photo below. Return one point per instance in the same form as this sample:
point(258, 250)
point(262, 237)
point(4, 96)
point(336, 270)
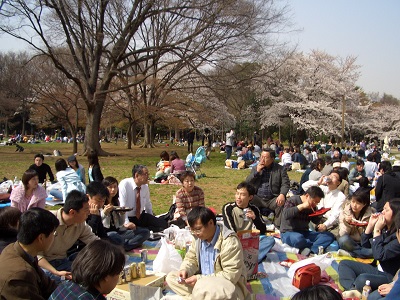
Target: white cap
point(368, 282)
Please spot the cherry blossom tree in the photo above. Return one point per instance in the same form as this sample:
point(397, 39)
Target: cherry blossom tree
point(310, 90)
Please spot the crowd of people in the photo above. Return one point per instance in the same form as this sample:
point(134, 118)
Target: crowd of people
point(53, 254)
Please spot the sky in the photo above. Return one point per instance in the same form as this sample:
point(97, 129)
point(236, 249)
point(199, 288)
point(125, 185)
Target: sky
point(367, 29)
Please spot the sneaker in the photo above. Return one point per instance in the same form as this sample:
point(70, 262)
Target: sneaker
point(342, 252)
point(351, 294)
point(305, 251)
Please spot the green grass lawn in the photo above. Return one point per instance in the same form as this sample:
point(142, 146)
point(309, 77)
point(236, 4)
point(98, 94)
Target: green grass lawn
point(219, 184)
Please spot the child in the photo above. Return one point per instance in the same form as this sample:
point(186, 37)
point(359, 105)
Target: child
point(236, 220)
point(163, 167)
point(356, 210)
point(113, 220)
point(93, 275)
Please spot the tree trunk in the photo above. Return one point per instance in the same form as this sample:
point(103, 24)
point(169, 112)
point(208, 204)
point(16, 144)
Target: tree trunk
point(23, 124)
point(129, 136)
point(92, 138)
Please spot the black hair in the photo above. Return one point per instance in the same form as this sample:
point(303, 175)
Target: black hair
point(397, 222)
point(75, 200)
point(174, 155)
point(27, 176)
point(249, 187)
point(164, 155)
point(187, 174)
point(328, 159)
point(109, 180)
point(363, 182)
point(317, 292)
point(39, 155)
point(9, 217)
point(95, 262)
point(271, 152)
point(394, 205)
point(343, 172)
point(93, 159)
point(203, 213)
point(370, 157)
point(360, 195)
point(138, 169)
point(315, 191)
point(97, 188)
point(319, 162)
point(36, 221)
point(61, 164)
point(339, 173)
point(360, 162)
point(386, 166)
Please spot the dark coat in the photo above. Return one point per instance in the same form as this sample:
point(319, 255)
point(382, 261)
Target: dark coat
point(386, 189)
point(7, 236)
point(278, 181)
point(22, 278)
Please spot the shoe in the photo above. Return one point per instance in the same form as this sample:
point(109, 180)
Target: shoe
point(305, 251)
point(351, 294)
point(342, 252)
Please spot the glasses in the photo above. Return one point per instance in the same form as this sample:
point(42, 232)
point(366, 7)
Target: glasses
point(196, 230)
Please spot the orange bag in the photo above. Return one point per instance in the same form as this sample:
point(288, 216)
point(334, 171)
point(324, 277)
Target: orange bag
point(307, 276)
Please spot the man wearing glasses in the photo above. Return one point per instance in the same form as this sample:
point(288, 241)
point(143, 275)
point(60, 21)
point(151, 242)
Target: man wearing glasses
point(213, 267)
point(134, 192)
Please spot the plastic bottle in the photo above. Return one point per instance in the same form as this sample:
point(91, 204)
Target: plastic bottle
point(180, 244)
point(372, 196)
point(366, 290)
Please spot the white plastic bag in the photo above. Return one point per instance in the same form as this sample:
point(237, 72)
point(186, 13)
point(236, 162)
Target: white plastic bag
point(323, 261)
point(167, 259)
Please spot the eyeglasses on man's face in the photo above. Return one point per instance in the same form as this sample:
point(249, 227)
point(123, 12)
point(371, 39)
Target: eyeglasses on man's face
point(196, 230)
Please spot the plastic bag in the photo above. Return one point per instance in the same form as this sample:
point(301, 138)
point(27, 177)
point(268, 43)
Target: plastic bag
point(167, 259)
point(323, 261)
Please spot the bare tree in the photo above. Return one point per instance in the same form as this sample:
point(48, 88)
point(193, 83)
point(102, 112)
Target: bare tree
point(100, 35)
point(56, 98)
point(16, 78)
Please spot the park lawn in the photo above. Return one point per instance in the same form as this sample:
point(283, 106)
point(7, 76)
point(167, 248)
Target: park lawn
point(219, 184)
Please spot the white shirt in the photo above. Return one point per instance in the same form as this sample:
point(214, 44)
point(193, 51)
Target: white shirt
point(127, 197)
point(286, 158)
point(333, 200)
point(370, 168)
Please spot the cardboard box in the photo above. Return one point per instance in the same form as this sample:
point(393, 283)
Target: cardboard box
point(122, 292)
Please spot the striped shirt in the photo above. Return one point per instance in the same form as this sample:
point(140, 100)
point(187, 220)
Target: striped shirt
point(186, 201)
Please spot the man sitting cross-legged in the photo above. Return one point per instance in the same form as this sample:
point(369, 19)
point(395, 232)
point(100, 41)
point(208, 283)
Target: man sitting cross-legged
point(295, 219)
point(213, 268)
point(20, 276)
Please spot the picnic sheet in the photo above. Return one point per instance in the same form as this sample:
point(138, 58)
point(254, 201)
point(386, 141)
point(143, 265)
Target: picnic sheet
point(276, 286)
